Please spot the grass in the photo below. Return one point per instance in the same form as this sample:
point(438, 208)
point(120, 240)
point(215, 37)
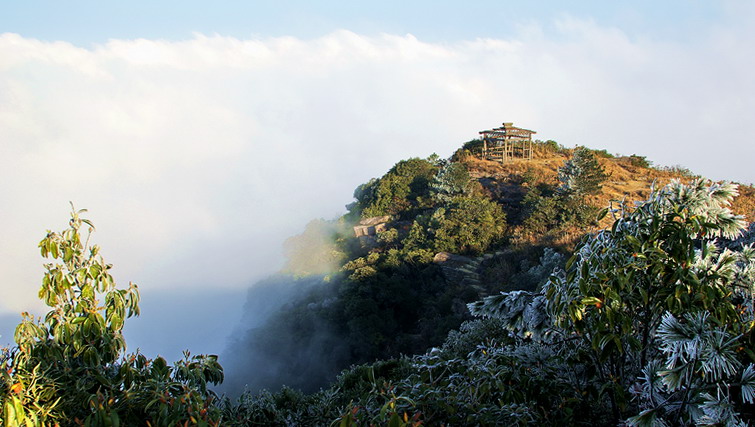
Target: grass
point(627, 180)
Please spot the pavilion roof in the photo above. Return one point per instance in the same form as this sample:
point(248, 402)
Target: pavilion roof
point(508, 130)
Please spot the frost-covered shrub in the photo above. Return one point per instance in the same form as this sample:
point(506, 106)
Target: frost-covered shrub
point(582, 174)
point(625, 308)
point(451, 180)
point(472, 333)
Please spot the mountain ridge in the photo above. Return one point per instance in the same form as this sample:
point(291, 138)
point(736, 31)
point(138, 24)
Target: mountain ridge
point(505, 249)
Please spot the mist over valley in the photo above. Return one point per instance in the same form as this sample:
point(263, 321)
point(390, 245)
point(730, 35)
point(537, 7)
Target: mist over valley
point(370, 214)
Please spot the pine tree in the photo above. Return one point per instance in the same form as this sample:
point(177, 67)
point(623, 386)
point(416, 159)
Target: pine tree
point(451, 180)
point(581, 175)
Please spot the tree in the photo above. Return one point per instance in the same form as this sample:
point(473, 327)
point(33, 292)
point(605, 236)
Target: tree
point(657, 318)
point(71, 367)
point(451, 180)
point(401, 189)
point(468, 225)
point(581, 175)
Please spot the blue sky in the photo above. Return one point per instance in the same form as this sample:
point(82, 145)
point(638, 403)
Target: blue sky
point(201, 135)
point(86, 22)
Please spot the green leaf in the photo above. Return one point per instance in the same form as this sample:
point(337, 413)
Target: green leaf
point(591, 301)
point(633, 241)
point(54, 250)
point(571, 261)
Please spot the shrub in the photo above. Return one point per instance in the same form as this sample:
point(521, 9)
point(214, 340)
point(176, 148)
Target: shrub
point(401, 189)
point(70, 366)
point(581, 175)
point(639, 161)
point(656, 318)
point(474, 146)
point(469, 225)
point(541, 212)
point(603, 154)
point(550, 147)
point(451, 180)
point(680, 171)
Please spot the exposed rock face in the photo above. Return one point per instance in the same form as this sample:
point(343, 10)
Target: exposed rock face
point(371, 226)
point(451, 259)
point(375, 220)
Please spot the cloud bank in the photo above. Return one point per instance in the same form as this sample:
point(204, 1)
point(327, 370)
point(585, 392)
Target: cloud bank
point(198, 158)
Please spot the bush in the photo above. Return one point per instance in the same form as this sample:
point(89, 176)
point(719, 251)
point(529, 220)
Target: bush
point(403, 188)
point(654, 318)
point(550, 147)
point(474, 146)
point(603, 154)
point(70, 367)
point(470, 225)
point(545, 212)
point(581, 175)
point(464, 341)
point(680, 171)
point(541, 212)
point(451, 180)
point(639, 161)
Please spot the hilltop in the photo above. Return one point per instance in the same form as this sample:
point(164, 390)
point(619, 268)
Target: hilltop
point(421, 242)
point(495, 275)
point(460, 291)
point(629, 177)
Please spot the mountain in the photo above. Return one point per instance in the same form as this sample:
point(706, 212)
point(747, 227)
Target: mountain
point(399, 271)
point(564, 287)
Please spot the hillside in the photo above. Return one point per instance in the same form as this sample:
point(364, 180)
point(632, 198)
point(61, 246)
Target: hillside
point(496, 219)
point(629, 177)
point(404, 267)
point(455, 291)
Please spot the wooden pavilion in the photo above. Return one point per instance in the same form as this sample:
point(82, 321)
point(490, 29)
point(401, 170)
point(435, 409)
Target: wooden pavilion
point(507, 142)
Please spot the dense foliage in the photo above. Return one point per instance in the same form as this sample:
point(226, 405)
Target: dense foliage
point(400, 191)
point(70, 367)
point(466, 225)
point(452, 180)
point(581, 175)
point(655, 317)
point(650, 323)
point(441, 315)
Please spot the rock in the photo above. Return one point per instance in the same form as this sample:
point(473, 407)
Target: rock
point(371, 226)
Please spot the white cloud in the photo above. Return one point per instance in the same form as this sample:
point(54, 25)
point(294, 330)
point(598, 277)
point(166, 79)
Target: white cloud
point(197, 158)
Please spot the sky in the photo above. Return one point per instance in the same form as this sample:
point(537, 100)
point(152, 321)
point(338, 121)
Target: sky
point(199, 136)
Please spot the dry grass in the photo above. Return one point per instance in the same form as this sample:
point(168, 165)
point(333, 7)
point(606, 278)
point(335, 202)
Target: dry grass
point(745, 203)
point(627, 181)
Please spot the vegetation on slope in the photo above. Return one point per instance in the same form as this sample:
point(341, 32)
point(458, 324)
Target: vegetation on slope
point(71, 368)
point(649, 322)
point(543, 208)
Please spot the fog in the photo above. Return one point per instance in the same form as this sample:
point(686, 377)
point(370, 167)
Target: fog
point(198, 158)
point(269, 350)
